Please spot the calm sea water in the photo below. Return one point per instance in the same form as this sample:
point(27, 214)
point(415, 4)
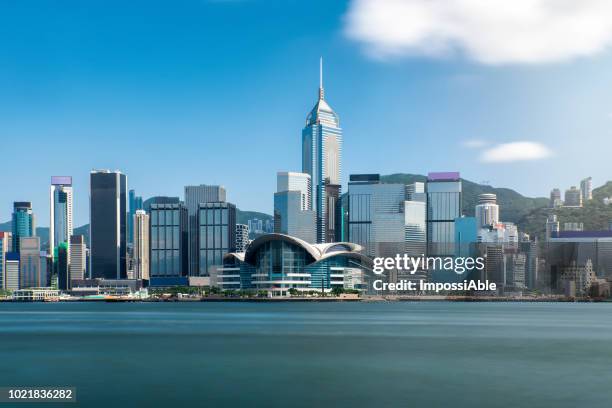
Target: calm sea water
point(431, 354)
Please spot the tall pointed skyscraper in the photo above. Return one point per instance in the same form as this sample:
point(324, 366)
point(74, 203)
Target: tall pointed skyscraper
point(321, 158)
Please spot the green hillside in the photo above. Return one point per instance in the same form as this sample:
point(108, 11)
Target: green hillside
point(595, 215)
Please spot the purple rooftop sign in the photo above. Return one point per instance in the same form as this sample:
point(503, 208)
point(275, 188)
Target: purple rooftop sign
point(444, 176)
point(61, 180)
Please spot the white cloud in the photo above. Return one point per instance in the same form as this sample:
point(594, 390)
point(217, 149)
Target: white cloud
point(515, 151)
point(487, 31)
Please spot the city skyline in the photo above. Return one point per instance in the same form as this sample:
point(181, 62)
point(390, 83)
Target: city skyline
point(182, 96)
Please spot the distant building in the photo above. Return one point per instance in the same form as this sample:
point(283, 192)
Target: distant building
point(30, 266)
point(168, 243)
point(555, 198)
point(78, 257)
point(586, 189)
point(217, 228)
point(487, 210)
point(24, 224)
point(242, 237)
point(415, 227)
point(552, 225)
point(60, 198)
point(293, 214)
point(256, 226)
point(573, 197)
point(141, 247)
point(4, 249)
point(465, 236)
point(108, 224)
point(573, 226)
point(321, 157)
point(62, 266)
point(194, 196)
point(11, 271)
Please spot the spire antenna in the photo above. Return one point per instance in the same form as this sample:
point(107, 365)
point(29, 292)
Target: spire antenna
point(321, 92)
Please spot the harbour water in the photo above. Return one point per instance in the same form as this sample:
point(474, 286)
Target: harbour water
point(430, 354)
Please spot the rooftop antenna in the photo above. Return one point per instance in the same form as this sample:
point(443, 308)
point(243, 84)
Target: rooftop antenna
point(321, 92)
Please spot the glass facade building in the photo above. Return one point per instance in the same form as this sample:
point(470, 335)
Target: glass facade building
point(194, 196)
point(168, 241)
point(23, 223)
point(30, 275)
point(443, 207)
point(61, 224)
point(135, 204)
point(321, 156)
point(278, 263)
point(293, 214)
point(108, 224)
point(217, 234)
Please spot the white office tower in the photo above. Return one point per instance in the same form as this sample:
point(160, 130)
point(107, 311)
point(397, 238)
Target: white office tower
point(321, 158)
point(487, 210)
point(292, 181)
point(415, 227)
point(141, 245)
point(293, 214)
point(586, 189)
point(416, 192)
point(60, 197)
point(242, 237)
point(78, 257)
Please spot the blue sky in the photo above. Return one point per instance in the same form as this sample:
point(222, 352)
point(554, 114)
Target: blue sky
point(216, 92)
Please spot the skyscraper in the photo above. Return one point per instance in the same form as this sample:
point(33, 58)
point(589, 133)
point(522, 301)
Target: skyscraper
point(60, 200)
point(242, 237)
point(24, 224)
point(217, 229)
point(443, 207)
point(135, 203)
point(141, 245)
point(321, 156)
point(194, 196)
point(4, 249)
point(30, 267)
point(586, 189)
point(555, 198)
point(11, 271)
point(78, 257)
point(168, 243)
point(108, 224)
point(293, 214)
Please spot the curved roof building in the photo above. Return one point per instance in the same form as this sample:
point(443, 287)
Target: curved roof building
point(278, 263)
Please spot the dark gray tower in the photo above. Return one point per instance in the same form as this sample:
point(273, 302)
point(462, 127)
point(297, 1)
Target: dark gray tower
point(108, 224)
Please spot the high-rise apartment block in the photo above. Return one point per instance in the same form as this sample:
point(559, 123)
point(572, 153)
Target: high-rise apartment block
point(586, 189)
point(242, 237)
point(140, 241)
point(573, 197)
point(108, 224)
